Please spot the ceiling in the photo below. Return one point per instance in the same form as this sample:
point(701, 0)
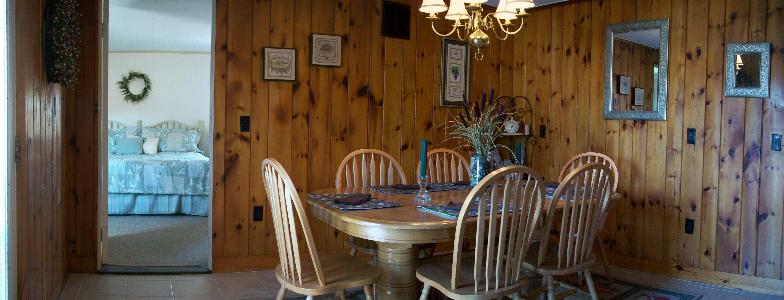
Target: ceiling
point(171, 25)
point(160, 25)
point(649, 37)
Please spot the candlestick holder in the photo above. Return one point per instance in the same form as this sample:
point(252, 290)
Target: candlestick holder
point(423, 196)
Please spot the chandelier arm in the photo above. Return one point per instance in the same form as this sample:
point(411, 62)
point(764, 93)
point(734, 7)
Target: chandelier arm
point(507, 32)
point(454, 28)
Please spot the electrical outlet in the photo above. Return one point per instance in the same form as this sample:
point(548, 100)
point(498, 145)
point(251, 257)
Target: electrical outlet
point(691, 136)
point(542, 131)
point(689, 226)
point(775, 143)
point(258, 213)
point(244, 123)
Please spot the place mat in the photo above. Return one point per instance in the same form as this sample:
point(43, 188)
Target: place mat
point(329, 200)
point(452, 210)
point(409, 190)
point(551, 186)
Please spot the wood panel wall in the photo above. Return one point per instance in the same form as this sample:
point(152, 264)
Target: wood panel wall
point(40, 246)
point(636, 61)
point(385, 96)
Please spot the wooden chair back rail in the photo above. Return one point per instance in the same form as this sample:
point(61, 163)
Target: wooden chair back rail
point(289, 219)
point(590, 158)
point(369, 167)
point(585, 194)
point(445, 165)
point(502, 239)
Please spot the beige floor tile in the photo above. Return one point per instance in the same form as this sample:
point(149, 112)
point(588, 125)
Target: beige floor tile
point(238, 286)
point(251, 296)
point(106, 286)
point(197, 287)
point(148, 288)
point(148, 298)
point(234, 275)
point(198, 297)
point(99, 297)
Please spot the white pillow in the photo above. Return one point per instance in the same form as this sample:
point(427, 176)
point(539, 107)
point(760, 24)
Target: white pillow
point(150, 146)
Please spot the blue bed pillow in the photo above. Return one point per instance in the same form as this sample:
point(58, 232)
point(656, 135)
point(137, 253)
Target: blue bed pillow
point(128, 145)
point(115, 133)
point(179, 140)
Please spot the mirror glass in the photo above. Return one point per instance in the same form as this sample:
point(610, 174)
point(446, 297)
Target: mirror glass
point(636, 70)
point(747, 70)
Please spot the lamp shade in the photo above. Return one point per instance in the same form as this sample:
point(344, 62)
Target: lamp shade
point(432, 6)
point(520, 4)
point(457, 11)
point(504, 12)
point(474, 1)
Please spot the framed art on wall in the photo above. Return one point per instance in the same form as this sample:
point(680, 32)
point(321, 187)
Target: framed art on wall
point(639, 96)
point(454, 72)
point(325, 50)
point(280, 64)
point(624, 85)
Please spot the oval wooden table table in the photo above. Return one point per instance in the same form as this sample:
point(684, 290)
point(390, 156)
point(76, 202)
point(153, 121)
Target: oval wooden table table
point(397, 231)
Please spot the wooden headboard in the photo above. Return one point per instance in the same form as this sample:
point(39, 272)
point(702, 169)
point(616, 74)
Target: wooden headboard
point(172, 124)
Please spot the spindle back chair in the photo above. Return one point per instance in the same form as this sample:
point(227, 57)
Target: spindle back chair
point(445, 165)
point(369, 167)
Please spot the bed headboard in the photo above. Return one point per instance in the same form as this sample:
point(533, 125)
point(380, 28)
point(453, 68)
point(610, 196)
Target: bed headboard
point(118, 125)
point(172, 124)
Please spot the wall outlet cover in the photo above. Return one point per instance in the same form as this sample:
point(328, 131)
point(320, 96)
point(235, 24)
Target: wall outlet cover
point(691, 136)
point(542, 131)
point(244, 123)
point(258, 213)
point(689, 226)
point(775, 143)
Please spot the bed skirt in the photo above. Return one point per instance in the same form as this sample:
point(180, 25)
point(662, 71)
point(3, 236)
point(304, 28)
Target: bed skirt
point(150, 204)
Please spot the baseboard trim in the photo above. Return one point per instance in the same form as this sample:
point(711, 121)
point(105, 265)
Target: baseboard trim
point(728, 280)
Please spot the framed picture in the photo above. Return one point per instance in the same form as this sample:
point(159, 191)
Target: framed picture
point(325, 50)
point(454, 72)
point(280, 64)
point(639, 96)
point(747, 70)
point(624, 85)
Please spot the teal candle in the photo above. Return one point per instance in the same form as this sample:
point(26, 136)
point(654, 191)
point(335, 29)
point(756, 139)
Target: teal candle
point(519, 153)
point(423, 159)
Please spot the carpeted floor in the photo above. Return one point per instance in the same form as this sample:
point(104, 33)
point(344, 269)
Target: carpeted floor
point(153, 241)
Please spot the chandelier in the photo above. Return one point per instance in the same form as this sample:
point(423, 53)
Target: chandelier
point(469, 23)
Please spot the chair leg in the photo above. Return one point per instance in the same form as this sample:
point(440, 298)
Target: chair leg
point(604, 260)
point(353, 251)
point(550, 287)
point(281, 293)
point(425, 291)
point(341, 295)
point(368, 292)
point(309, 297)
point(589, 282)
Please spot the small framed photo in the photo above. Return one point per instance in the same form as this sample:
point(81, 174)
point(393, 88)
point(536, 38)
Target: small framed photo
point(454, 72)
point(624, 85)
point(325, 50)
point(280, 64)
point(639, 96)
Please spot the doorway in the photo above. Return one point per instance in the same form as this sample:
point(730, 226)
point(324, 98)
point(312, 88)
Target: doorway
point(156, 163)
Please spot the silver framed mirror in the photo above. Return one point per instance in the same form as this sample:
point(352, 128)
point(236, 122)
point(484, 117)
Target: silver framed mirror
point(747, 70)
point(635, 70)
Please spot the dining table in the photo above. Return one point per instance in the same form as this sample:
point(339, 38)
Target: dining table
point(399, 232)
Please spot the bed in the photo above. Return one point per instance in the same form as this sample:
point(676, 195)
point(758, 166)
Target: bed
point(163, 183)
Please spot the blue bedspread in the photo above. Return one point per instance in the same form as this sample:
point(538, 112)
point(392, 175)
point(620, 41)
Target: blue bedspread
point(166, 173)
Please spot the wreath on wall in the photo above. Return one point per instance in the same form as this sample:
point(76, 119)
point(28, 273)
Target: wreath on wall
point(128, 95)
point(61, 41)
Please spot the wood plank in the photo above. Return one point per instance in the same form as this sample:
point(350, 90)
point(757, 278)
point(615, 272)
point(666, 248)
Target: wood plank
point(541, 100)
point(410, 145)
point(711, 153)
point(558, 78)
point(731, 165)
point(358, 68)
point(259, 112)
point(338, 129)
point(612, 143)
point(425, 59)
point(771, 209)
point(219, 126)
point(376, 81)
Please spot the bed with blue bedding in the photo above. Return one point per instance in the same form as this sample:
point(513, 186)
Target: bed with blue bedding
point(164, 181)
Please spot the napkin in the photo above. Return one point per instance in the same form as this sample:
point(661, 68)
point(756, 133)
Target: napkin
point(353, 199)
point(461, 183)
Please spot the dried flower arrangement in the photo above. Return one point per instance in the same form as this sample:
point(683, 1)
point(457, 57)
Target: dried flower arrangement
point(62, 41)
point(480, 123)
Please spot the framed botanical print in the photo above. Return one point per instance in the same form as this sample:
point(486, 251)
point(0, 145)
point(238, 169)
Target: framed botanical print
point(280, 64)
point(624, 85)
point(454, 72)
point(325, 50)
point(639, 96)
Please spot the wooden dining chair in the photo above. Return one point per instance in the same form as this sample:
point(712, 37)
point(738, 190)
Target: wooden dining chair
point(364, 168)
point(502, 237)
point(587, 158)
point(445, 165)
point(585, 198)
point(310, 273)
point(369, 167)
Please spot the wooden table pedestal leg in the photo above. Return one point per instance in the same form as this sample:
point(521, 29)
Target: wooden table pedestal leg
point(397, 263)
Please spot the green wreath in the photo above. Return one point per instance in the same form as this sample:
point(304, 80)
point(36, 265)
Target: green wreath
point(126, 92)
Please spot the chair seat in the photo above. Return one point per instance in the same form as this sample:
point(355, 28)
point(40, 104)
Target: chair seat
point(437, 272)
point(341, 272)
point(550, 264)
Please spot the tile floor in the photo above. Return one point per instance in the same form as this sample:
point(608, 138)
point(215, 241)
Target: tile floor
point(263, 285)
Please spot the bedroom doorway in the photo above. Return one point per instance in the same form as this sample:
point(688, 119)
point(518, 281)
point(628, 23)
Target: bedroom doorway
point(157, 74)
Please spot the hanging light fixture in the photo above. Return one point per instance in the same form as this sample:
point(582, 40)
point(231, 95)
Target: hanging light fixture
point(469, 23)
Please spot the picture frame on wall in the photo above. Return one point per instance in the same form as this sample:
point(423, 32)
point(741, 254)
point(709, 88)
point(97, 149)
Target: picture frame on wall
point(639, 96)
point(455, 70)
point(624, 85)
point(280, 64)
point(325, 50)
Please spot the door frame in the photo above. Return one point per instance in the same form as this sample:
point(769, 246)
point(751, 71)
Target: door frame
point(10, 108)
point(102, 231)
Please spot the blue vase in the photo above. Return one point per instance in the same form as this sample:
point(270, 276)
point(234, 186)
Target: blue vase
point(478, 170)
